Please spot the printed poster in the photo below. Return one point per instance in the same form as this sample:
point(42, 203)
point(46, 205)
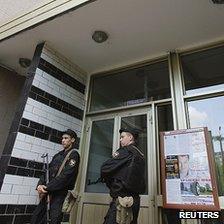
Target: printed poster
point(187, 172)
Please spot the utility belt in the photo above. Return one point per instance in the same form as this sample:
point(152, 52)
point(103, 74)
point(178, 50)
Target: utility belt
point(124, 214)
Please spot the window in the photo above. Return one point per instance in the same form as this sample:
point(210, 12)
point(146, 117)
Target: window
point(209, 113)
point(130, 87)
point(204, 70)
point(100, 150)
point(165, 123)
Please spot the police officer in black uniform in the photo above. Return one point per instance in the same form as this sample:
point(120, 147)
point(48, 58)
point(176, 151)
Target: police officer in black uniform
point(58, 186)
point(124, 174)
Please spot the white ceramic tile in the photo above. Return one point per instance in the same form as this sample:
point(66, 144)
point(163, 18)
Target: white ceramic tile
point(45, 87)
point(33, 192)
point(29, 139)
point(39, 72)
point(30, 181)
point(21, 136)
point(20, 190)
point(36, 83)
point(6, 188)
point(24, 154)
point(28, 108)
point(40, 112)
point(38, 149)
point(22, 145)
point(34, 103)
point(11, 179)
point(30, 116)
point(29, 199)
point(8, 199)
point(47, 144)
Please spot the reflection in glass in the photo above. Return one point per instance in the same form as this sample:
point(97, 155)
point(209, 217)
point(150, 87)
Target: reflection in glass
point(165, 118)
point(209, 113)
point(100, 149)
point(129, 87)
point(204, 70)
point(139, 122)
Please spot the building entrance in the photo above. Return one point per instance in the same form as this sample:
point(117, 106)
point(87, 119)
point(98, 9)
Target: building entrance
point(102, 139)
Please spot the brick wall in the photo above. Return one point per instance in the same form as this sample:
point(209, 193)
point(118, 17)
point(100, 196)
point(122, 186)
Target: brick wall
point(55, 102)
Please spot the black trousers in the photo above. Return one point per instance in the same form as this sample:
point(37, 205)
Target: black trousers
point(110, 217)
point(56, 215)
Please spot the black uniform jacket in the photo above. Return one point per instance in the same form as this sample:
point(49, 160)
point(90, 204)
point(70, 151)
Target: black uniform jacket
point(124, 174)
point(66, 180)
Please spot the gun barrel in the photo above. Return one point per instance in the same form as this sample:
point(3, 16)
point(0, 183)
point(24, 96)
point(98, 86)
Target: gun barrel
point(46, 169)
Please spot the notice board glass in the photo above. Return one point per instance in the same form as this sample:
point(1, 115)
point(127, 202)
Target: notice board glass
point(187, 167)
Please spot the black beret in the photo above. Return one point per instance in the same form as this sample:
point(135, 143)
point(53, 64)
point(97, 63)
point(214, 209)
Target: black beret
point(70, 133)
point(133, 131)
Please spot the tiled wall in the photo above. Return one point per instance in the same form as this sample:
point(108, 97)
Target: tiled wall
point(56, 101)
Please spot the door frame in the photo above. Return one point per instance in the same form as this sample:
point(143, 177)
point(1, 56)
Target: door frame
point(149, 200)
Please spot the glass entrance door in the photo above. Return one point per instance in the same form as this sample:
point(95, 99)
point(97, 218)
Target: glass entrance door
point(102, 140)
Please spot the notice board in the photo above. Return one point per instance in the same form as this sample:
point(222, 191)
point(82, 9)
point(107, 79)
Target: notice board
point(187, 168)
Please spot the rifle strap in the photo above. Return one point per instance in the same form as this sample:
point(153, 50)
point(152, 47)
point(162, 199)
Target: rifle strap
point(138, 150)
point(64, 161)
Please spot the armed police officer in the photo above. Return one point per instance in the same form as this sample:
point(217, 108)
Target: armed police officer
point(124, 175)
point(55, 191)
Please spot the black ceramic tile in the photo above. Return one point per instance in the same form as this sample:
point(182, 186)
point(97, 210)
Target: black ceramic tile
point(25, 172)
point(25, 122)
point(63, 103)
point(18, 162)
point(41, 135)
point(47, 130)
point(50, 97)
point(6, 219)
point(33, 95)
point(22, 219)
point(35, 165)
point(17, 209)
point(24, 167)
point(38, 173)
point(26, 130)
point(11, 170)
point(55, 106)
point(36, 126)
point(3, 209)
point(54, 132)
point(38, 91)
point(43, 100)
point(30, 208)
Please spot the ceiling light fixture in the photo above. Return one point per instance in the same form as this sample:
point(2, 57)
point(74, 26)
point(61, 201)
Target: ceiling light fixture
point(218, 1)
point(99, 36)
point(24, 62)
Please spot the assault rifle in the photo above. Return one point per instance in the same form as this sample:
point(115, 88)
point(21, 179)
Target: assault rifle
point(46, 170)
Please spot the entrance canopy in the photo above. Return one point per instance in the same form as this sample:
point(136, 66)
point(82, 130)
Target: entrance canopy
point(138, 30)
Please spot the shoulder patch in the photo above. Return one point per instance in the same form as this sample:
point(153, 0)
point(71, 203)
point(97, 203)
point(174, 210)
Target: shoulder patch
point(72, 162)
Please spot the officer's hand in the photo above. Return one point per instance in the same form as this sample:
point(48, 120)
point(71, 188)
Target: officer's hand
point(41, 189)
point(41, 196)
